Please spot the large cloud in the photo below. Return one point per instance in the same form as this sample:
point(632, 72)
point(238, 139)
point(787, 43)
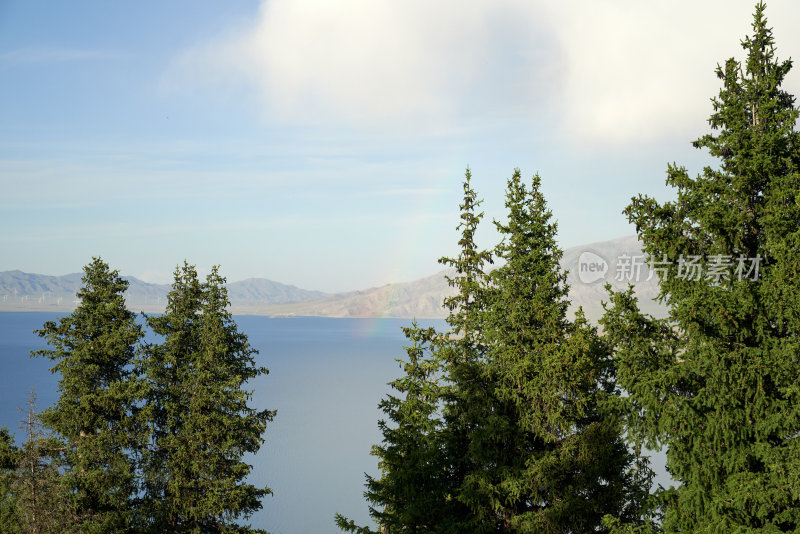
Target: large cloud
point(607, 70)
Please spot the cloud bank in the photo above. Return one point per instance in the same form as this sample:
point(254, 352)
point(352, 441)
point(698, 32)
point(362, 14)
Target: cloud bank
point(602, 71)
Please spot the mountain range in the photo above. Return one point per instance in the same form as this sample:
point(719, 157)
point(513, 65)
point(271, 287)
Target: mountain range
point(617, 262)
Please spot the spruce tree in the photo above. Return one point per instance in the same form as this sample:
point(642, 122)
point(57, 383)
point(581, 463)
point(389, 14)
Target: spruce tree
point(717, 382)
point(548, 454)
point(94, 351)
point(202, 424)
point(167, 368)
point(42, 504)
point(461, 352)
point(512, 423)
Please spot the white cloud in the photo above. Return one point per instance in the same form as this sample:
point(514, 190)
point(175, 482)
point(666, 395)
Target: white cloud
point(367, 62)
point(610, 71)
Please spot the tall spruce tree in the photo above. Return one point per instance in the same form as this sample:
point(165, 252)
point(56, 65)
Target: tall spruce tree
point(717, 382)
point(548, 454)
point(167, 370)
point(512, 424)
point(461, 352)
point(202, 424)
point(94, 351)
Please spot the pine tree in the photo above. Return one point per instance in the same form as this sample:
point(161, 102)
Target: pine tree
point(201, 421)
point(41, 499)
point(717, 383)
point(462, 355)
point(167, 369)
point(549, 452)
point(413, 492)
point(512, 423)
point(94, 349)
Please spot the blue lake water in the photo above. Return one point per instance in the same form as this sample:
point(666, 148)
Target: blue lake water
point(326, 379)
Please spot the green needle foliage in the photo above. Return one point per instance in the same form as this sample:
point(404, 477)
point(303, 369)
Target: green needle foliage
point(202, 424)
point(717, 383)
point(42, 505)
point(94, 349)
point(548, 455)
point(147, 438)
point(512, 422)
point(462, 356)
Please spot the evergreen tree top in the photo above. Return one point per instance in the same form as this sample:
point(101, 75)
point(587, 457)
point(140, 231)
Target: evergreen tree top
point(742, 210)
point(532, 276)
point(470, 277)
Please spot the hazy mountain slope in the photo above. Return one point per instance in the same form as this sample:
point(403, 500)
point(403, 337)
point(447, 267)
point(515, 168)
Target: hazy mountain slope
point(420, 298)
point(19, 289)
point(256, 291)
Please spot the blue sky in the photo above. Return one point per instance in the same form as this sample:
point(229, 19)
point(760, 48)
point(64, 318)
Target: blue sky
point(322, 144)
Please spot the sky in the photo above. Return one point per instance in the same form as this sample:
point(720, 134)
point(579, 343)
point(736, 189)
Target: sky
point(323, 144)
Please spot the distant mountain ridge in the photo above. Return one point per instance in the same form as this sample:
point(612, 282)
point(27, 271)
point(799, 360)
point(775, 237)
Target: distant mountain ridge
point(419, 298)
point(21, 291)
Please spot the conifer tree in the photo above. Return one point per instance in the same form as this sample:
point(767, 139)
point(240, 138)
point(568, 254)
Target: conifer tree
point(41, 499)
point(201, 421)
point(462, 355)
point(167, 368)
point(521, 423)
point(548, 454)
point(717, 383)
point(412, 493)
point(94, 352)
